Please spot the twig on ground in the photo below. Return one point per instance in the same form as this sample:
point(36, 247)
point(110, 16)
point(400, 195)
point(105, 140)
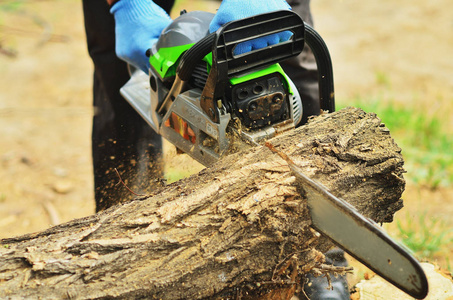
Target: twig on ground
point(56, 38)
point(52, 212)
point(7, 52)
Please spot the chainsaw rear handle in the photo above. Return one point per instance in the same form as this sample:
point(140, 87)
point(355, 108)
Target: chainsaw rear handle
point(222, 43)
point(324, 64)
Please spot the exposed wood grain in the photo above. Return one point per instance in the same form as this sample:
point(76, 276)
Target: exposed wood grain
point(237, 230)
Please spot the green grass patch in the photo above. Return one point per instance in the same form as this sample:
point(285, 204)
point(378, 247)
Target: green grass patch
point(427, 147)
point(426, 236)
point(173, 176)
point(11, 6)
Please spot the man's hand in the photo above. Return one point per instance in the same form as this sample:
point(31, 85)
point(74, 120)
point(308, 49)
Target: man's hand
point(138, 25)
point(231, 10)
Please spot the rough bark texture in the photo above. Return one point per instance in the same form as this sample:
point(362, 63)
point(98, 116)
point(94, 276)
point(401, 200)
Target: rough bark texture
point(237, 230)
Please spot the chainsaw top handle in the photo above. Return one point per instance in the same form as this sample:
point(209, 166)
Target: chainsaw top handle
point(226, 64)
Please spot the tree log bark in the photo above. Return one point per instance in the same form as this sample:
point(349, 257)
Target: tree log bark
point(237, 230)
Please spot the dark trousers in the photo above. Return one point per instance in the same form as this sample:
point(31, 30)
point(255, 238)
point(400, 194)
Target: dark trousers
point(121, 140)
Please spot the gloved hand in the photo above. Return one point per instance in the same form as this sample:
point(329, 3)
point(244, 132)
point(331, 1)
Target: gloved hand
point(231, 10)
point(138, 25)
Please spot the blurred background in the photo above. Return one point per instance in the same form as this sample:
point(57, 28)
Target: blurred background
point(393, 58)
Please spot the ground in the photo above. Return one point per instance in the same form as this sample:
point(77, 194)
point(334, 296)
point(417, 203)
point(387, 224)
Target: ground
point(45, 95)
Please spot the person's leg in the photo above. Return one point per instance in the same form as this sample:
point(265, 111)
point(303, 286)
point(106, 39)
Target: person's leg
point(120, 139)
point(302, 69)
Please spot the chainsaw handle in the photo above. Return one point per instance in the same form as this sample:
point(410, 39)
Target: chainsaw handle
point(239, 30)
point(194, 55)
point(222, 43)
point(324, 64)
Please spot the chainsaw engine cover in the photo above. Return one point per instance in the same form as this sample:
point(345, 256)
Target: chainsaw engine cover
point(260, 102)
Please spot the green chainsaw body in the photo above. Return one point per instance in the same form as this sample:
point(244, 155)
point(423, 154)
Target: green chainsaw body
point(198, 86)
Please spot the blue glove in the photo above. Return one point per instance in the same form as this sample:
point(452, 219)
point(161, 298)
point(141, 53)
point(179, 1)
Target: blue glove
point(231, 10)
point(138, 25)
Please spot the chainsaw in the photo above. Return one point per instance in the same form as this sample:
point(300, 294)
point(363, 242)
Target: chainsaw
point(202, 97)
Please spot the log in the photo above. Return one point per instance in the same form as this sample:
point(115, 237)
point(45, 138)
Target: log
point(239, 229)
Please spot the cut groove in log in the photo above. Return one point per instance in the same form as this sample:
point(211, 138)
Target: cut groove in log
point(237, 230)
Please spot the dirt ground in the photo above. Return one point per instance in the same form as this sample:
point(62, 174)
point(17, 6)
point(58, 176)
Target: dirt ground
point(46, 79)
